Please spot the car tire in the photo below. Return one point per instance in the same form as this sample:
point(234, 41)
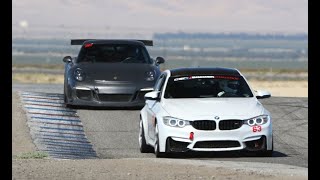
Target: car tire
point(157, 147)
point(65, 98)
point(265, 152)
point(144, 147)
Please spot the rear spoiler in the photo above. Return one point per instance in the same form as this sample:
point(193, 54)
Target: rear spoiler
point(81, 41)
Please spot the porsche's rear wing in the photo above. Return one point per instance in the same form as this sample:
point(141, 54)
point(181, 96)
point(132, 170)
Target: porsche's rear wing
point(81, 41)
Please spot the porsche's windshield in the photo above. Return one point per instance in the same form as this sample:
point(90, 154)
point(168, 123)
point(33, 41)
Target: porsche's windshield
point(113, 53)
point(207, 87)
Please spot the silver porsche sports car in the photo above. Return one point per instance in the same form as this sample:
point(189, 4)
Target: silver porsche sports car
point(110, 73)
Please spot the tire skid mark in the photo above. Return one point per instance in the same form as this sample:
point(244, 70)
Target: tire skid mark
point(54, 128)
point(291, 150)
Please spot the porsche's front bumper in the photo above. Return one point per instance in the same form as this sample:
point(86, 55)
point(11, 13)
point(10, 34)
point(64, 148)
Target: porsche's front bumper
point(118, 95)
point(174, 139)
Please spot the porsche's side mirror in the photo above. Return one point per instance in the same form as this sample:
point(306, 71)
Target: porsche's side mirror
point(154, 95)
point(67, 59)
point(159, 60)
point(261, 94)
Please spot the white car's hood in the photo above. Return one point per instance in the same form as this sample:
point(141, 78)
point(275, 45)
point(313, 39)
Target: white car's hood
point(209, 108)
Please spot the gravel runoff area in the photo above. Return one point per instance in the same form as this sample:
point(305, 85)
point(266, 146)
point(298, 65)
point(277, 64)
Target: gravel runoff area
point(131, 168)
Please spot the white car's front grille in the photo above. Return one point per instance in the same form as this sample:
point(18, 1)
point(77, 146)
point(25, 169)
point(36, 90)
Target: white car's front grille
point(216, 144)
point(204, 125)
point(230, 124)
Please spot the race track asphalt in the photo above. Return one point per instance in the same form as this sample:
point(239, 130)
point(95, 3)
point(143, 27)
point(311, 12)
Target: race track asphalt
point(114, 132)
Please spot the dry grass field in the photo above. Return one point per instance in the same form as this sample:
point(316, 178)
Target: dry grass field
point(282, 88)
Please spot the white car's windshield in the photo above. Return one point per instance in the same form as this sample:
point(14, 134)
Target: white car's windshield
point(207, 87)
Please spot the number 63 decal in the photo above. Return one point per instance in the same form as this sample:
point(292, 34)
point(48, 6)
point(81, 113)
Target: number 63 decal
point(256, 128)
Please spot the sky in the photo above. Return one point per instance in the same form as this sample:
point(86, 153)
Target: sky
point(258, 16)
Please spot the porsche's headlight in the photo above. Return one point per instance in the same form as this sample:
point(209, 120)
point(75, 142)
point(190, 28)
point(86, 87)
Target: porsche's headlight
point(259, 120)
point(174, 122)
point(150, 75)
point(79, 75)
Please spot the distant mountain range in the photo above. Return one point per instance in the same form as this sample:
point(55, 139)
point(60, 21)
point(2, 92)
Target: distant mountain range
point(183, 35)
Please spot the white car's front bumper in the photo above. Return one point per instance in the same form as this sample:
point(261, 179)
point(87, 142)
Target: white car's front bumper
point(178, 139)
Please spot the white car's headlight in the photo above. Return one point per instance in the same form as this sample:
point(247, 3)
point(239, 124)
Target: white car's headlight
point(150, 75)
point(174, 122)
point(259, 120)
point(79, 74)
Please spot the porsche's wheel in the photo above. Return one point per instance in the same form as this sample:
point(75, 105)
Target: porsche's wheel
point(144, 148)
point(65, 98)
point(157, 147)
point(64, 92)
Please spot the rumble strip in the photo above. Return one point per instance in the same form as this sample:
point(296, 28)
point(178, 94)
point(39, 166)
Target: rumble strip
point(54, 128)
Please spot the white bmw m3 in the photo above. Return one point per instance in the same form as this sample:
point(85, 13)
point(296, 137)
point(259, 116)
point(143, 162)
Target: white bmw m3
point(204, 109)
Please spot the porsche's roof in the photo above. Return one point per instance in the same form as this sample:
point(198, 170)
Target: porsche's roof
point(204, 71)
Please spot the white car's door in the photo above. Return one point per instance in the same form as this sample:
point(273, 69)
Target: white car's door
point(154, 108)
point(151, 118)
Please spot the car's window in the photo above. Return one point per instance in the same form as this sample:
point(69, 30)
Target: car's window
point(113, 53)
point(207, 87)
point(159, 84)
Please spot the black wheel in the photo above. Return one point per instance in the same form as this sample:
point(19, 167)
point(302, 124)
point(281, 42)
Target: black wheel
point(144, 147)
point(268, 153)
point(157, 147)
point(265, 152)
point(65, 98)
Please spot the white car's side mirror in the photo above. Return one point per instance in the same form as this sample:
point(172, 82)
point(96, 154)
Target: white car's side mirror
point(154, 95)
point(260, 94)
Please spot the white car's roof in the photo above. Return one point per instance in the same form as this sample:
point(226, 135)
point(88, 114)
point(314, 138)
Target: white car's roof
point(204, 71)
